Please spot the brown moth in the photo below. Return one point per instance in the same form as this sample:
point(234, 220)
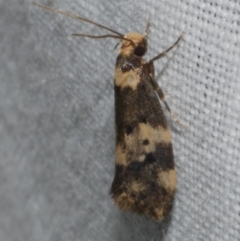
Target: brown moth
point(145, 177)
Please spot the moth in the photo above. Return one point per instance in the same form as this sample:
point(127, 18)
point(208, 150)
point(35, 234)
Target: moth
point(145, 177)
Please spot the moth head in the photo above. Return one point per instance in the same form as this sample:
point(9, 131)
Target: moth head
point(134, 44)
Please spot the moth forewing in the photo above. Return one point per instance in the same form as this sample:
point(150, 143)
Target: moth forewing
point(145, 177)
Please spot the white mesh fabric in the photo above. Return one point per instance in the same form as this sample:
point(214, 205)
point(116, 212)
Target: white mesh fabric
point(57, 119)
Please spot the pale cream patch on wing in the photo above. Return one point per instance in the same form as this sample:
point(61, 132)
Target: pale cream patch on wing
point(121, 158)
point(167, 179)
point(134, 141)
point(124, 201)
point(159, 213)
point(154, 136)
point(128, 79)
point(136, 187)
point(142, 158)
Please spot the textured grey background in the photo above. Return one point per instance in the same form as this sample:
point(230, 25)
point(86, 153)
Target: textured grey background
point(57, 119)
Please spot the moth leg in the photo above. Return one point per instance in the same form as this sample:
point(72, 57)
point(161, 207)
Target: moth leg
point(162, 98)
point(167, 95)
point(164, 53)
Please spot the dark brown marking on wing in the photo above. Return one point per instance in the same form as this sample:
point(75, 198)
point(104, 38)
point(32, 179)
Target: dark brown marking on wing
point(148, 104)
point(145, 142)
point(129, 129)
point(137, 106)
point(150, 158)
point(143, 119)
point(117, 188)
point(133, 61)
point(125, 111)
point(146, 171)
point(164, 155)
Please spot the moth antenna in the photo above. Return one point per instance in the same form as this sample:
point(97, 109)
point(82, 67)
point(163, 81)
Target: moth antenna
point(148, 26)
point(116, 45)
point(103, 36)
point(76, 17)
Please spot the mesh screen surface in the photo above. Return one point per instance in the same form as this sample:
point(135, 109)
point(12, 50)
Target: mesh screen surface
point(57, 119)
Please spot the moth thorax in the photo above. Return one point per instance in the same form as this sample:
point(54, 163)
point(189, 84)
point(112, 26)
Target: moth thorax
point(137, 44)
